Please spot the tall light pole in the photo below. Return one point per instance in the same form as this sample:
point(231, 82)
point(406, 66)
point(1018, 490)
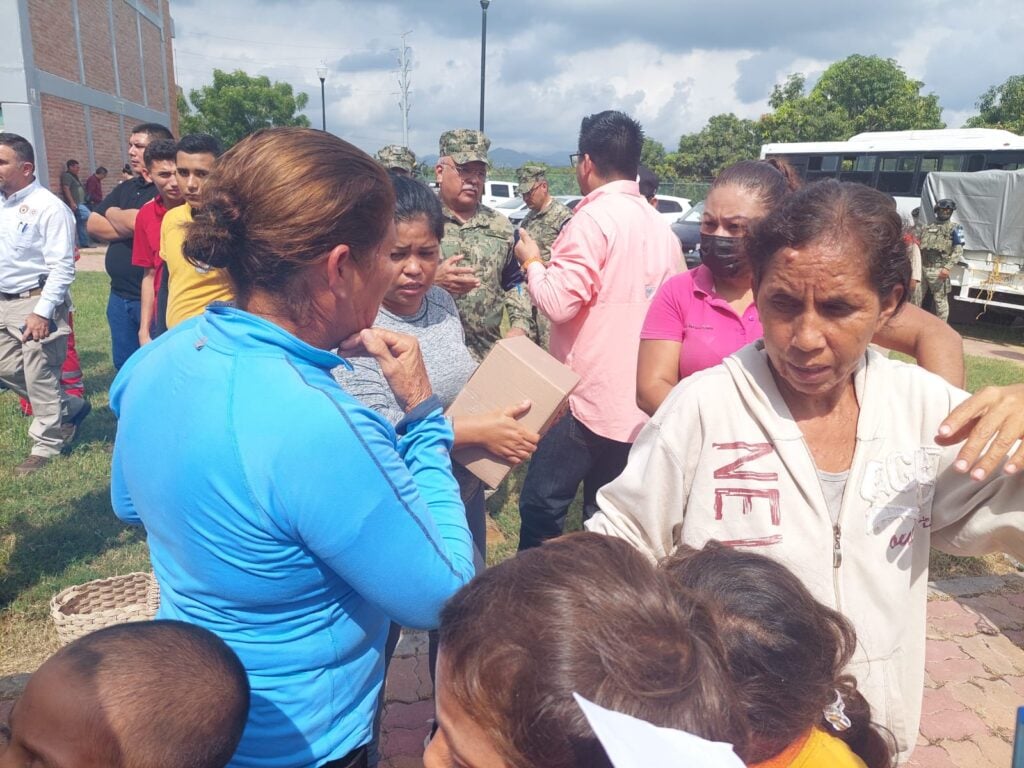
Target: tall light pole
point(321, 72)
point(483, 58)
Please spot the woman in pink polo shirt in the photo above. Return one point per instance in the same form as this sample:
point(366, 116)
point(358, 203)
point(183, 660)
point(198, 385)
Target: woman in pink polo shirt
point(700, 317)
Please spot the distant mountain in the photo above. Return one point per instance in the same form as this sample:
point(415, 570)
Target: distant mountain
point(511, 158)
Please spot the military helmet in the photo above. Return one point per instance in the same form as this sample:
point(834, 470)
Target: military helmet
point(945, 203)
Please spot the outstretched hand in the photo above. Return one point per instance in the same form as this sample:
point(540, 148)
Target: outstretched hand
point(506, 438)
point(398, 355)
point(992, 423)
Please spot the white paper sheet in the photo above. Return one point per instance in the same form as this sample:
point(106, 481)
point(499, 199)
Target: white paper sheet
point(633, 743)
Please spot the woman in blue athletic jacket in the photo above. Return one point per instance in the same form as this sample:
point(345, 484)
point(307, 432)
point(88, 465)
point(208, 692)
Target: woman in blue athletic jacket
point(282, 514)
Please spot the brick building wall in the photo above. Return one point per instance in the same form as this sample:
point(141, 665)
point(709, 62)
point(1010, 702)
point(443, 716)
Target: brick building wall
point(92, 69)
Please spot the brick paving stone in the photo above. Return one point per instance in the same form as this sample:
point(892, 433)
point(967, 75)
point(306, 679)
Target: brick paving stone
point(997, 609)
point(1015, 636)
point(402, 762)
point(937, 700)
point(956, 670)
point(966, 753)
point(406, 680)
point(408, 716)
point(996, 750)
point(929, 681)
point(999, 655)
point(938, 650)
point(1017, 683)
point(953, 725)
point(404, 742)
point(988, 699)
point(930, 757)
point(963, 624)
point(945, 609)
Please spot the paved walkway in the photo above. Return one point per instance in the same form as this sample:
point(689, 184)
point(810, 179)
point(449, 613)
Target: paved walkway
point(974, 680)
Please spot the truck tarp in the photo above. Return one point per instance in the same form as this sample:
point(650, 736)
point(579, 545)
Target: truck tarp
point(989, 206)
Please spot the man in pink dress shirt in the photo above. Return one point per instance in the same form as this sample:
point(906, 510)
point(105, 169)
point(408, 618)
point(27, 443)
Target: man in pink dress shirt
point(605, 267)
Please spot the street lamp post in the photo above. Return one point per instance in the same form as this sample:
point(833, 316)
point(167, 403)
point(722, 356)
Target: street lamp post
point(321, 72)
point(483, 57)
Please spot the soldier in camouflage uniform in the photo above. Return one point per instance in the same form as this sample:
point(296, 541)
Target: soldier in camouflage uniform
point(397, 159)
point(477, 245)
point(545, 220)
point(941, 246)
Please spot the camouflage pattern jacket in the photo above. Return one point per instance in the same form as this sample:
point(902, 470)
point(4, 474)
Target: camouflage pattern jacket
point(545, 225)
point(938, 250)
point(486, 242)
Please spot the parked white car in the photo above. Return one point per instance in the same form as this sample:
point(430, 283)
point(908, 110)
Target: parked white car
point(671, 208)
point(498, 192)
point(511, 206)
point(517, 216)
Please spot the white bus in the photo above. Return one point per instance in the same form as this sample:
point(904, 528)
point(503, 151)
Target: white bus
point(898, 162)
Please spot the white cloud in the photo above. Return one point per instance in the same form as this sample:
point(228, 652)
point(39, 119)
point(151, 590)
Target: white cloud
point(670, 63)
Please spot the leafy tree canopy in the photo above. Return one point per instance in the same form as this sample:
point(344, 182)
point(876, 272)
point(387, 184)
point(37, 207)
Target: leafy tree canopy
point(1002, 106)
point(723, 141)
point(238, 104)
point(857, 94)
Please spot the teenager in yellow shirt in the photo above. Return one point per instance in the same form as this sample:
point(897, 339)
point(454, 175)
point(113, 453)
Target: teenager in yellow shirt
point(190, 287)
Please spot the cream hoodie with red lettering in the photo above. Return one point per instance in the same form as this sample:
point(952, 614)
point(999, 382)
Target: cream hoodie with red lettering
point(724, 459)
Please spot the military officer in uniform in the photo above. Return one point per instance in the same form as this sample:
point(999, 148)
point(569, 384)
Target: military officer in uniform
point(396, 159)
point(477, 245)
point(941, 246)
point(545, 220)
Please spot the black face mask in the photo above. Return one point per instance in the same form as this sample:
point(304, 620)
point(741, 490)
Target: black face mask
point(722, 255)
point(943, 214)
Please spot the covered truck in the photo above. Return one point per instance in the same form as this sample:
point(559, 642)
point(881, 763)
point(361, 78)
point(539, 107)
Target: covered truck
point(990, 209)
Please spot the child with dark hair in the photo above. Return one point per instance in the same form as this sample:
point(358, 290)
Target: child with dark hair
point(582, 614)
point(155, 694)
point(787, 653)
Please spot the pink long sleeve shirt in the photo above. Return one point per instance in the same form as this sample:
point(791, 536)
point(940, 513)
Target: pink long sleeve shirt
point(605, 267)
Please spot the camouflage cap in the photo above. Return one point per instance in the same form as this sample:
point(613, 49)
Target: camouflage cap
point(464, 145)
point(528, 176)
point(394, 156)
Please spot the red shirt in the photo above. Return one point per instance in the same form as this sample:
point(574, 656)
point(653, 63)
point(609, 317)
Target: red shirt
point(146, 247)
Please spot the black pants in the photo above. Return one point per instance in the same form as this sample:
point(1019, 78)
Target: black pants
point(567, 455)
point(354, 759)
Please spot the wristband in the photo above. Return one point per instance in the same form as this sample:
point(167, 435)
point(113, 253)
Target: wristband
point(526, 264)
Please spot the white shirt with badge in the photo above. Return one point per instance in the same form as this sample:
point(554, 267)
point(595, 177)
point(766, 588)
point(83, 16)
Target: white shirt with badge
point(37, 239)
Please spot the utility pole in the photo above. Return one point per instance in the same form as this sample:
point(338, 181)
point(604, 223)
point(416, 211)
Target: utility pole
point(404, 65)
point(483, 58)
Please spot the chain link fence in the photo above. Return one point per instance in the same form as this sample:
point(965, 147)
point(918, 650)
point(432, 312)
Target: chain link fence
point(562, 181)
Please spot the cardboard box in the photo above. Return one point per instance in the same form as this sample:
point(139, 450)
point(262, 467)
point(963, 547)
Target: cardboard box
point(516, 369)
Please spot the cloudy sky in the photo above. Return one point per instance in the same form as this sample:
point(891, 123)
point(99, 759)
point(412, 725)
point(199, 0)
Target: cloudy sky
point(670, 63)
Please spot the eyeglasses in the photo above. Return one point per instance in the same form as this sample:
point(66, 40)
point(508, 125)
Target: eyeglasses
point(466, 172)
point(574, 158)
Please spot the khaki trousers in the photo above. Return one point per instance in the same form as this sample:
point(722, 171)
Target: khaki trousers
point(32, 369)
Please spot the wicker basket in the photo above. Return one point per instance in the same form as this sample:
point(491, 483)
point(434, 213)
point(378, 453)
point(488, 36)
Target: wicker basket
point(83, 608)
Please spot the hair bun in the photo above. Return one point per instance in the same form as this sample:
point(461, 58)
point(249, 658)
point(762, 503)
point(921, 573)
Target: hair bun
point(217, 231)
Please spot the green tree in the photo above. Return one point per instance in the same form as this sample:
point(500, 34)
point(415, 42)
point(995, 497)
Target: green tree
point(238, 104)
point(723, 141)
point(791, 90)
point(1001, 106)
point(857, 94)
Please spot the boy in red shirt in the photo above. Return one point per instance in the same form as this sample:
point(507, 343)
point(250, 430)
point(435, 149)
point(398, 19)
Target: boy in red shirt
point(159, 159)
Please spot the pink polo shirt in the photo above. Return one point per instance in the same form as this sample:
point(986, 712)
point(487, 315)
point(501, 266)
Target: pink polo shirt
point(687, 309)
point(605, 267)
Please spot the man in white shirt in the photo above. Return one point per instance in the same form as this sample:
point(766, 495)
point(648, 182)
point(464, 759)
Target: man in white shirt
point(37, 265)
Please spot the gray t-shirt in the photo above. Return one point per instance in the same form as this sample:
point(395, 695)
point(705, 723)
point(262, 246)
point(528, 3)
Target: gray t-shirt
point(442, 343)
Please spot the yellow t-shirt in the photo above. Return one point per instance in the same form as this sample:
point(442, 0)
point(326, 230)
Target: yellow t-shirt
point(190, 288)
point(817, 749)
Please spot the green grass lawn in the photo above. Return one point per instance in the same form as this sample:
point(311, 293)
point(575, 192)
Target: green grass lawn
point(57, 527)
